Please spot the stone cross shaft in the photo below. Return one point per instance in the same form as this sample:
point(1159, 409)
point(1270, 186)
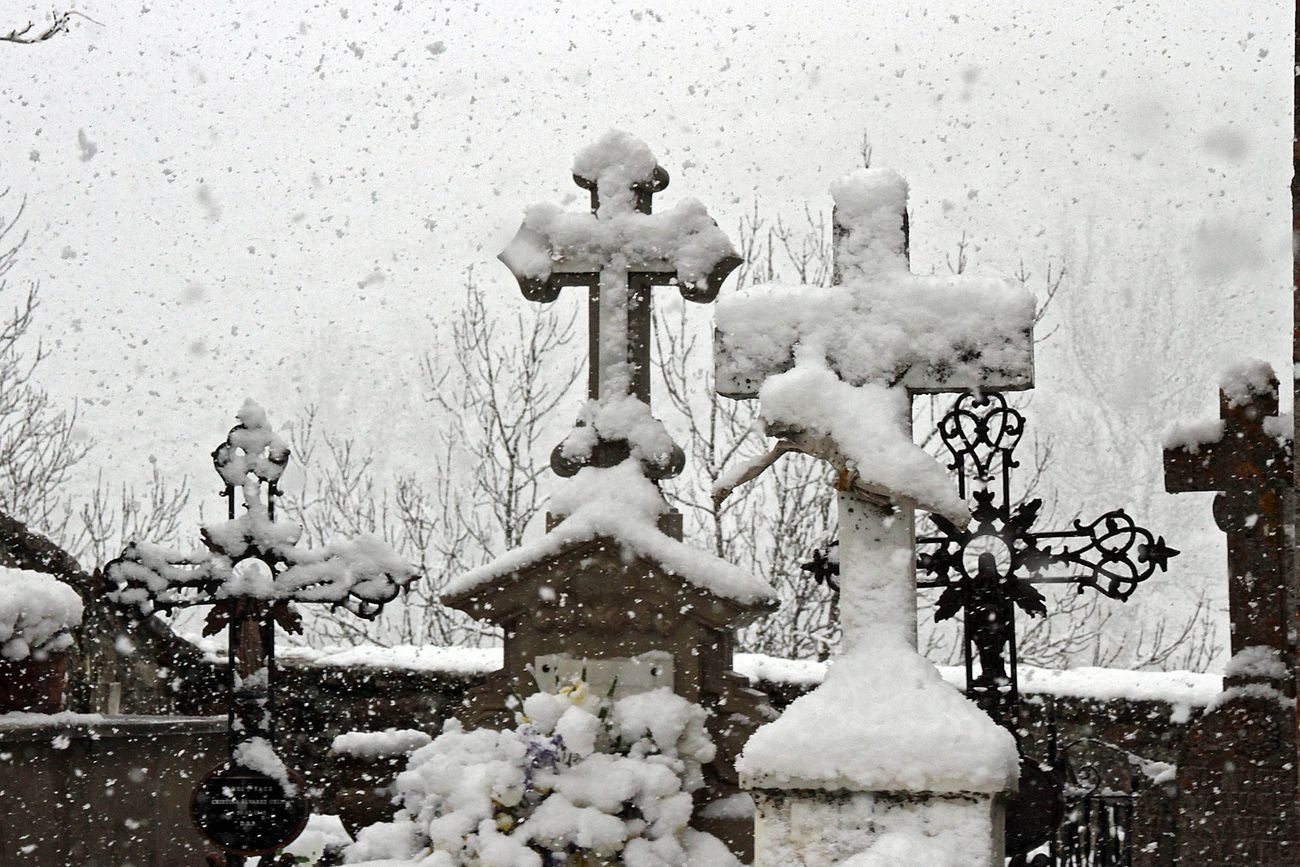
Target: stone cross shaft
point(1250, 468)
point(619, 251)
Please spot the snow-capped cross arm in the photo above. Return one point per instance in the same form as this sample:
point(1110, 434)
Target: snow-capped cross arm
point(619, 251)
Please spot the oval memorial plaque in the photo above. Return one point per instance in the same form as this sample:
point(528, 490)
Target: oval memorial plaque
point(246, 812)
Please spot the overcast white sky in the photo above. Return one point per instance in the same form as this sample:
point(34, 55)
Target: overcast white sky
point(277, 200)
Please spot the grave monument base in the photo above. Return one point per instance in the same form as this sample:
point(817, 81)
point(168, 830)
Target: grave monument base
point(816, 828)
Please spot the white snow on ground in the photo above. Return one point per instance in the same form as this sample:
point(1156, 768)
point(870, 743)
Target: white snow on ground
point(873, 726)
point(322, 830)
point(36, 613)
point(1179, 688)
point(621, 504)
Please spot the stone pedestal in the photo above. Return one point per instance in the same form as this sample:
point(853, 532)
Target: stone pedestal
point(884, 757)
point(811, 828)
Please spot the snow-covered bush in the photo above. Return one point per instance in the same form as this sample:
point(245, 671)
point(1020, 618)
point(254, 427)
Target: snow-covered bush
point(581, 780)
point(36, 613)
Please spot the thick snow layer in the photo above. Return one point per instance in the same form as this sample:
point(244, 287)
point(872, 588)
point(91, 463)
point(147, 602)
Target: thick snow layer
point(869, 425)
point(619, 418)
point(379, 745)
point(855, 347)
point(254, 448)
point(683, 240)
point(257, 754)
point(611, 778)
point(621, 504)
point(873, 726)
point(1243, 381)
point(616, 162)
point(36, 613)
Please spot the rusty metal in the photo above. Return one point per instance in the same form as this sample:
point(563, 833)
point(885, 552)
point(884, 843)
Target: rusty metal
point(250, 623)
point(1237, 778)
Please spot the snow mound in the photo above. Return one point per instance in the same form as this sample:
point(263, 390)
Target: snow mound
point(37, 612)
point(874, 725)
point(611, 780)
point(1244, 380)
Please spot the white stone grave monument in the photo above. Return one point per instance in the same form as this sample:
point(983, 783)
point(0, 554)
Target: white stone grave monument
point(884, 763)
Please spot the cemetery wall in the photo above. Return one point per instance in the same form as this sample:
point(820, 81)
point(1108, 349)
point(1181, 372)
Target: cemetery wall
point(320, 700)
point(97, 792)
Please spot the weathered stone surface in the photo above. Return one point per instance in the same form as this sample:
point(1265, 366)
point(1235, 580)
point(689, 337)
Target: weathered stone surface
point(104, 794)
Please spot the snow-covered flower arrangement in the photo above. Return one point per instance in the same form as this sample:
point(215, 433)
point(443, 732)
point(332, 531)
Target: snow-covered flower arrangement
point(37, 612)
point(581, 780)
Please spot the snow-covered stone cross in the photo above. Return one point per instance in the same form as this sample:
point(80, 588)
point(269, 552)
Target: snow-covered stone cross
point(833, 369)
point(620, 250)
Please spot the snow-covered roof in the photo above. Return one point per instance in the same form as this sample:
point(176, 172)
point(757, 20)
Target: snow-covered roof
point(622, 505)
point(837, 361)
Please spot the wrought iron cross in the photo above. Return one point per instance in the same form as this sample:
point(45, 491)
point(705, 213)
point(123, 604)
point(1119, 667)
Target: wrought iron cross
point(989, 569)
point(251, 571)
point(620, 251)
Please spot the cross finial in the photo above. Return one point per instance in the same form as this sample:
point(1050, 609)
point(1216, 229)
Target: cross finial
point(620, 250)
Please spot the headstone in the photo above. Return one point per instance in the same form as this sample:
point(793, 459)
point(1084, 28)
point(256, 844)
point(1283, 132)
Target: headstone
point(1237, 778)
point(883, 758)
point(610, 594)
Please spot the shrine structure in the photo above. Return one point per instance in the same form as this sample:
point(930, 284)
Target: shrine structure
point(611, 595)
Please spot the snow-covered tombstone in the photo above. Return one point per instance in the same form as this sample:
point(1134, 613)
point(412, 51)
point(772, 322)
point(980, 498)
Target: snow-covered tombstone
point(610, 596)
point(252, 572)
point(883, 758)
point(1238, 775)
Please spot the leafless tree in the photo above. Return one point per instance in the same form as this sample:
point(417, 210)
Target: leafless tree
point(59, 22)
point(38, 444)
point(492, 388)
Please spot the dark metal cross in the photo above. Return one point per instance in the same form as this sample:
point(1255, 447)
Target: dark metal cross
point(989, 569)
point(1249, 466)
point(252, 572)
point(611, 255)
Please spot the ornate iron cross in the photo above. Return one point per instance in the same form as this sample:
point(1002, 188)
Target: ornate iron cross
point(620, 251)
point(251, 571)
point(989, 569)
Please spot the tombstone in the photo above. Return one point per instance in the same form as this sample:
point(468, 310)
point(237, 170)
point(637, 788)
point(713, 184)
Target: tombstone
point(1237, 779)
point(610, 593)
point(884, 757)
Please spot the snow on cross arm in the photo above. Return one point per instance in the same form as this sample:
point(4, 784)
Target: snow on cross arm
point(837, 362)
point(682, 241)
point(350, 572)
